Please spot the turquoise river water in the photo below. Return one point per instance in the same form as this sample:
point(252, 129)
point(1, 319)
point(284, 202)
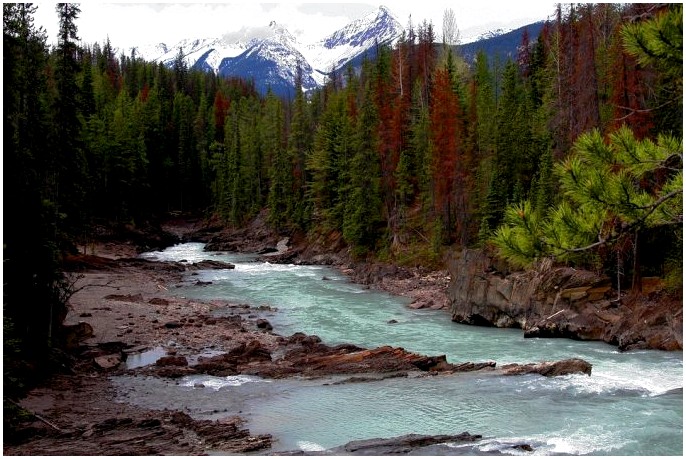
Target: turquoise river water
point(632, 404)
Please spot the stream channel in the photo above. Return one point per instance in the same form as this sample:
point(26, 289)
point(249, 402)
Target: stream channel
point(632, 404)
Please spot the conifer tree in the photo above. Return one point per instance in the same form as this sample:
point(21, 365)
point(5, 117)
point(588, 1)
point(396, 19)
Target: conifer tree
point(68, 190)
point(331, 146)
point(364, 205)
point(35, 289)
point(298, 151)
point(658, 42)
point(280, 198)
point(610, 190)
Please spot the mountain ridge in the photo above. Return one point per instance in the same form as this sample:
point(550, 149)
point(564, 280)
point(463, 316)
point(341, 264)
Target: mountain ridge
point(270, 55)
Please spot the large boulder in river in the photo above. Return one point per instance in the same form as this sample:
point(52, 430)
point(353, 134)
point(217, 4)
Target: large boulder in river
point(404, 445)
point(550, 369)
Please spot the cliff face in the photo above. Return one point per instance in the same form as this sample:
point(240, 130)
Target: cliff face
point(561, 302)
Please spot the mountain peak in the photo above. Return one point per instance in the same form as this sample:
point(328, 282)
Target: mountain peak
point(379, 26)
point(384, 11)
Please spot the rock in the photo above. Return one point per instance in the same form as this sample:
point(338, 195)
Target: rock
point(550, 369)
point(72, 335)
point(400, 445)
point(158, 301)
point(172, 360)
point(107, 362)
point(219, 365)
point(173, 325)
point(264, 324)
point(470, 366)
point(251, 352)
point(212, 264)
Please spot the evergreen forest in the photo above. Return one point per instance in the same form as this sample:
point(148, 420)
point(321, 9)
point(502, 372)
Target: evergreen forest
point(571, 149)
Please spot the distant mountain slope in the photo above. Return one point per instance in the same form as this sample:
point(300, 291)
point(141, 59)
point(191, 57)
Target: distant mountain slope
point(502, 46)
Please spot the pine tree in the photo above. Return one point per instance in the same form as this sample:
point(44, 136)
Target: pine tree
point(331, 146)
point(611, 190)
point(657, 42)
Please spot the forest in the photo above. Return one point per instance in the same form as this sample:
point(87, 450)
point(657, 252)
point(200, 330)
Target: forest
point(571, 149)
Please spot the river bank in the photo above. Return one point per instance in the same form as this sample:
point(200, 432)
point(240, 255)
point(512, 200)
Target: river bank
point(131, 309)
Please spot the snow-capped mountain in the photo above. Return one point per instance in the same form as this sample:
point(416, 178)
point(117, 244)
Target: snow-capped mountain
point(270, 55)
point(339, 48)
point(271, 62)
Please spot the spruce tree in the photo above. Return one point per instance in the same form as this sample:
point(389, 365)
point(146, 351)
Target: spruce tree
point(363, 211)
point(68, 187)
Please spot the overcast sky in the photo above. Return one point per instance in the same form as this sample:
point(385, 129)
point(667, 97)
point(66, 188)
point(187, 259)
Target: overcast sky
point(130, 24)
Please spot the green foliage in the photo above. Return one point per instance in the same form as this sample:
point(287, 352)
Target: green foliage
point(362, 216)
point(609, 189)
point(658, 41)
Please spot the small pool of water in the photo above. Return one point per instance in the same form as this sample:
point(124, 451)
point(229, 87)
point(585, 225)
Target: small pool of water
point(145, 358)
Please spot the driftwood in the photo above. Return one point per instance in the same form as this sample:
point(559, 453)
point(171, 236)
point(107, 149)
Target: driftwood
point(37, 416)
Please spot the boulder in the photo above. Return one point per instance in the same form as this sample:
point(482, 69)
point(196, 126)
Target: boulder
point(400, 445)
point(172, 360)
point(264, 324)
point(212, 264)
point(550, 369)
point(107, 362)
point(72, 335)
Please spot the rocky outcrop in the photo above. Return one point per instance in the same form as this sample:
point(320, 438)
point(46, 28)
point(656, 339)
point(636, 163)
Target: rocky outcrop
point(306, 356)
point(551, 302)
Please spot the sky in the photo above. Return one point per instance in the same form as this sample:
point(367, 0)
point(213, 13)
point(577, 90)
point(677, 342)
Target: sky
point(134, 24)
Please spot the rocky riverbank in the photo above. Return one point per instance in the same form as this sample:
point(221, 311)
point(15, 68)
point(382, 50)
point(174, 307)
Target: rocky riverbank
point(124, 307)
point(561, 302)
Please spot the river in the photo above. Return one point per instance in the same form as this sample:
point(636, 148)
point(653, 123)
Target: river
point(632, 404)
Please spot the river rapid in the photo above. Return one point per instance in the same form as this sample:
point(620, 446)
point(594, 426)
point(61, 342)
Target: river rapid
point(632, 404)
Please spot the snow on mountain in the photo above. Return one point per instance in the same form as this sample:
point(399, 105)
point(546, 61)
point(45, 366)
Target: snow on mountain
point(340, 47)
point(270, 55)
point(272, 62)
point(486, 35)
